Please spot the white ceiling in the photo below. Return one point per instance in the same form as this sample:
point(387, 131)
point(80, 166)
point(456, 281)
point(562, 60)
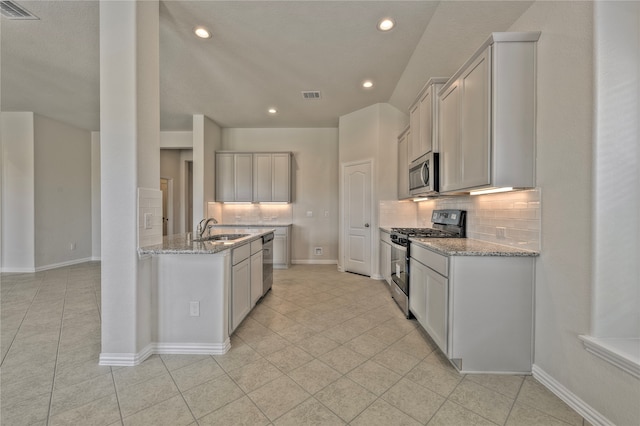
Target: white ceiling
point(262, 54)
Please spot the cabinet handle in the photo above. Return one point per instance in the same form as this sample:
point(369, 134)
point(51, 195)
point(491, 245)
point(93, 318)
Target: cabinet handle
point(366, 225)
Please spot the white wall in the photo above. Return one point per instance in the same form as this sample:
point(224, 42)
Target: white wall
point(207, 139)
point(18, 192)
point(62, 160)
point(372, 133)
point(130, 158)
point(96, 239)
point(315, 183)
point(616, 164)
point(564, 172)
point(176, 140)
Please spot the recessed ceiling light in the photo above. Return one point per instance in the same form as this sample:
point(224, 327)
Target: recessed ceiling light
point(272, 111)
point(367, 84)
point(202, 32)
point(386, 24)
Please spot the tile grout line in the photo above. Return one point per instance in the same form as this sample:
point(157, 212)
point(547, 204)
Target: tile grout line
point(179, 390)
point(22, 321)
point(55, 365)
point(115, 388)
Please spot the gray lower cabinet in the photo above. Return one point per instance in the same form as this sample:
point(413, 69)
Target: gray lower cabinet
point(240, 304)
point(385, 256)
point(281, 255)
point(477, 309)
point(256, 271)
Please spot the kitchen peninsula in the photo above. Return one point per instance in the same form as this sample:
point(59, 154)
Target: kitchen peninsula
point(203, 288)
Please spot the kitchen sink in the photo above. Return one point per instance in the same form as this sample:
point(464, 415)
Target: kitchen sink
point(221, 237)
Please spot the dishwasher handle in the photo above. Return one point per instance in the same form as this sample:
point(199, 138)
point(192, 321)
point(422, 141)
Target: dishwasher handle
point(266, 238)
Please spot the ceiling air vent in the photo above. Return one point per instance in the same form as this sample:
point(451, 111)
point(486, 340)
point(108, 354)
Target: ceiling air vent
point(312, 94)
point(12, 10)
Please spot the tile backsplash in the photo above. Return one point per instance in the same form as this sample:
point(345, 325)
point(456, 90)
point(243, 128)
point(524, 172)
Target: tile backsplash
point(508, 218)
point(514, 216)
point(255, 213)
point(399, 214)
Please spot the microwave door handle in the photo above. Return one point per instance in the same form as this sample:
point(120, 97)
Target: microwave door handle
point(423, 174)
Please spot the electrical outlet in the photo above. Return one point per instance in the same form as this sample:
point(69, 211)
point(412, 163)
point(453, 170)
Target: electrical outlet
point(194, 309)
point(72, 246)
point(147, 220)
point(309, 213)
point(326, 213)
point(501, 232)
point(318, 251)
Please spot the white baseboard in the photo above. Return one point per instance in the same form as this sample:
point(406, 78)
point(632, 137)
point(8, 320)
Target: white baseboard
point(571, 399)
point(62, 264)
point(377, 277)
point(130, 360)
point(96, 258)
point(314, 262)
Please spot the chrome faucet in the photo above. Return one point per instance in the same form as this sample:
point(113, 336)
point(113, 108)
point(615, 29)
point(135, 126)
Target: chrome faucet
point(206, 226)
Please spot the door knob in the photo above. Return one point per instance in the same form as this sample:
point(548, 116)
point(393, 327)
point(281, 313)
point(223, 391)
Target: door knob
point(366, 225)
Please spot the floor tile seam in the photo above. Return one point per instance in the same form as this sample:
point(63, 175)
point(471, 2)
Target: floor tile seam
point(474, 412)
point(178, 389)
point(293, 408)
point(545, 412)
point(513, 402)
point(55, 365)
point(513, 399)
point(428, 388)
point(21, 322)
point(122, 388)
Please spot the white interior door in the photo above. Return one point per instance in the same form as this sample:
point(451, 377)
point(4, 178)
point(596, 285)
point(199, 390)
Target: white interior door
point(357, 218)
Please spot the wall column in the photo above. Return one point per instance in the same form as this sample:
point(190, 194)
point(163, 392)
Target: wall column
point(129, 159)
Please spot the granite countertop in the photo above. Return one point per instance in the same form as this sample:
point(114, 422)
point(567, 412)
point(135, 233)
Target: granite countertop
point(471, 247)
point(253, 225)
point(182, 244)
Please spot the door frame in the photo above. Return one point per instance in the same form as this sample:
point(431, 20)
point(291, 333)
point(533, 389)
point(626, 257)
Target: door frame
point(170, 206)
point(374, 214)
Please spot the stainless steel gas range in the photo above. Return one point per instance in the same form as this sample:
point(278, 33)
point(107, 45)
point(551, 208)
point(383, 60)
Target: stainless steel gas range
point(446, 224)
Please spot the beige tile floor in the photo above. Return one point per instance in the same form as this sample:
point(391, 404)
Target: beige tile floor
point(323, 348)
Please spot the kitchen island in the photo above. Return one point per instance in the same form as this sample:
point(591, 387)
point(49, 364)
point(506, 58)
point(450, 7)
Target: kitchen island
point(193, 287)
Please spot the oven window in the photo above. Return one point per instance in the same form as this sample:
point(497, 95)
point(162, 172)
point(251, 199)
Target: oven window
point(399, 268)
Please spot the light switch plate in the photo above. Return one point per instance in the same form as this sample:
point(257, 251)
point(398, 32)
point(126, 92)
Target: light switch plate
point(147, 220)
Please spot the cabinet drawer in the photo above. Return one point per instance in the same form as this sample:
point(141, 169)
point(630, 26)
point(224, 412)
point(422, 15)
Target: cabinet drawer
point(433, 260)
point(240, 253)
point(256, 246)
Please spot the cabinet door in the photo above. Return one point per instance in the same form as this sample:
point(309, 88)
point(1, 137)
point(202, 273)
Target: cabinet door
point(225, 177)
point(403, 167)
point(240, 293)
point(426, 121)
point(280, 252)
point(262, 177)
point(385, 261)
point(475, 89)
point(418, 291)
point(243, 177)
point(437, 299)
point(256, 277)
point(450, 139)
point(414, 137)
point(281, 177)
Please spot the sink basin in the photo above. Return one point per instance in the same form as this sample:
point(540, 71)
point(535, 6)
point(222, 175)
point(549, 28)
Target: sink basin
point(221, 237)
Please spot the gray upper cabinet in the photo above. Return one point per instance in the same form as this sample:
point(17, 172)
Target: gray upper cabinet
point(272, 177)
point(423, 120)
point(487, 117)
point(403, 165)
point(234, 176)
point(253, 177)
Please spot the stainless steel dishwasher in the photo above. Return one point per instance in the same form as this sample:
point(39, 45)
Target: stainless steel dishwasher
point(267, 262)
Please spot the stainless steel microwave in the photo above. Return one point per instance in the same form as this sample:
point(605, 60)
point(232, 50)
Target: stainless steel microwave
point(423, 175)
